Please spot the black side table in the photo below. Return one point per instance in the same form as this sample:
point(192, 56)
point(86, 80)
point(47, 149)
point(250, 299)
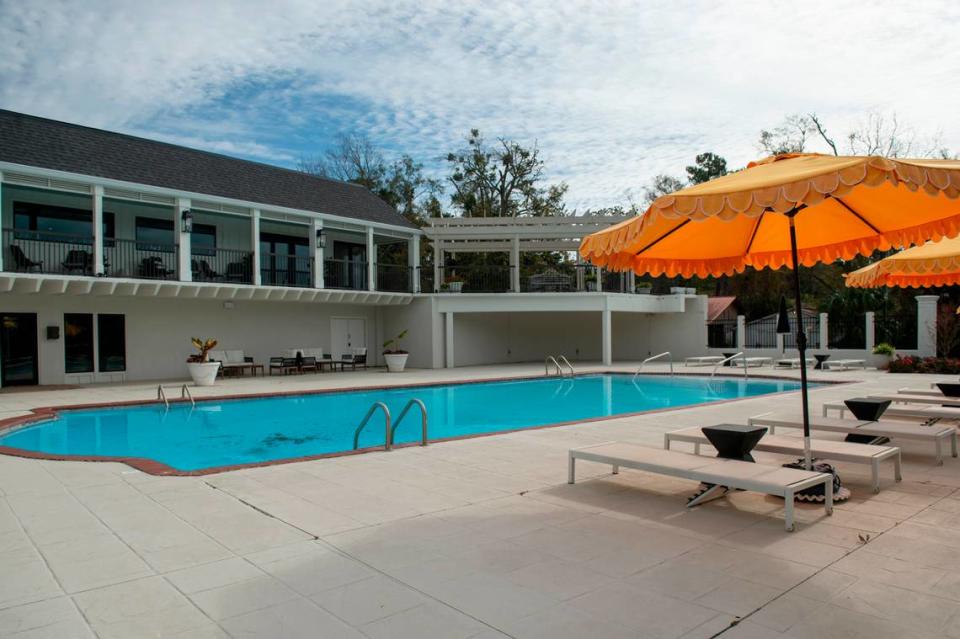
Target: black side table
point(820, 360)
point(868, 409)
point(949, 389)
point(727, 356)
point(732, 441)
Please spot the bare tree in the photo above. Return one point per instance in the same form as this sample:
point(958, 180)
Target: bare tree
point(815, 121)
point(789, 137)
point(660, 185)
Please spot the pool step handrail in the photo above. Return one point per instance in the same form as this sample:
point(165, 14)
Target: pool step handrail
point(423, 420)
point(563, 360)
point(162, 396)
point(185, 394)
point(730, 359)
point(387, 443)
point(650, 359)
point(555, 360)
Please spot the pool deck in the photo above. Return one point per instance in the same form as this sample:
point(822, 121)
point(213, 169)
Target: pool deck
point(477, 538)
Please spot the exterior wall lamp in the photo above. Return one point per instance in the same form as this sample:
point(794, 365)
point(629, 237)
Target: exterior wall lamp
point(187, 219)
point(321, 239)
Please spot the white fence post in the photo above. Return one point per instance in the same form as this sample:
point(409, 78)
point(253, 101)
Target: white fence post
point(927, 325)
point(741, 332)
point(870, 334)
point(824, 330)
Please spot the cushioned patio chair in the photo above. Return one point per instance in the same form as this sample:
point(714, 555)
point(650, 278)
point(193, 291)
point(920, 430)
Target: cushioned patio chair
point(23, 263)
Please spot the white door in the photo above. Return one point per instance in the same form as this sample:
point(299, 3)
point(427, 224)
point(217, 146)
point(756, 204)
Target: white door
point(347, 333)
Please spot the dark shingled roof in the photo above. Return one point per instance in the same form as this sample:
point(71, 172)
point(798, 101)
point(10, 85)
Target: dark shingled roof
point(51, 144)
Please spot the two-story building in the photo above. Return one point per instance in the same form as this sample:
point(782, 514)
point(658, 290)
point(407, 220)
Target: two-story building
point(117, 249)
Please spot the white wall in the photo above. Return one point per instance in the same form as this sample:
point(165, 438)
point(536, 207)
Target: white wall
point(159, 330)
point(424, 327)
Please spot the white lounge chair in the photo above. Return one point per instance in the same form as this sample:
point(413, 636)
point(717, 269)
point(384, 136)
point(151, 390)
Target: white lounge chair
point(751, 361)
point(771, 480)
point(882, 428)
point(823, 448)
point(794, 362)
point(903, 398)
point(844, 364)
point(909, 412)
point(703, 360)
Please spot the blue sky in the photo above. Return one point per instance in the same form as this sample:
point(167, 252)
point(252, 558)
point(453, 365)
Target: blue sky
point(612, 92)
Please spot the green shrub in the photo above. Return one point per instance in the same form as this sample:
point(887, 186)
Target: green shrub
point(884, 348)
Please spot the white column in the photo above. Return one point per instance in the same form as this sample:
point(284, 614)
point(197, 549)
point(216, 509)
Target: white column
point(870, 331)
point(2, 248)
point(515, 263)
point(631, 282)
point(413, 261)
point(255, 244)
point(437, 264)
point(448, 339)
point(371, 261)
point(779, 339)
point(927, 325)
point(184, 273)
point(741, 332)
point(606, 332)
point(97, 229)
point(598, 272)
point(316, 253)
point(824, 331)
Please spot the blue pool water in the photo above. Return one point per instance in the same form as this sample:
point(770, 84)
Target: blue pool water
point(247, 431)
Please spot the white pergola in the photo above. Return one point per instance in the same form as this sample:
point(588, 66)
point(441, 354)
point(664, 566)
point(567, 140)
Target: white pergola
point(514, 235)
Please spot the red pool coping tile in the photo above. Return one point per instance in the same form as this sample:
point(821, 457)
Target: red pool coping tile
point(153, 467)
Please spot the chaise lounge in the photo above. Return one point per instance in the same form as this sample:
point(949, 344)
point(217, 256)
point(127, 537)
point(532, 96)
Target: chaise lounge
point(772, 480)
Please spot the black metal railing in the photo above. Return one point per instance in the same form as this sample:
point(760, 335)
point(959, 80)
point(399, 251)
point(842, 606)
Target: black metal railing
point(811, 328)
point(221, 265)
point(141, 260)
point(846, 332)
point(614, 282)
point(345, 274)
point(761, 333)
point(283, 269)
point(722, 334)
point(47, 252)
point(426, 279)
point(394, 278)
point(900, 331)
point(475, 279)
point(567, 278)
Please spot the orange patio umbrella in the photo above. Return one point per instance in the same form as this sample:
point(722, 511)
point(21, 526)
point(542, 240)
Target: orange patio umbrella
point(933, 264)
point(786, 210)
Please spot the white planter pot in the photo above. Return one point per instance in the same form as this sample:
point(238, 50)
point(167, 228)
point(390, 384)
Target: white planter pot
point(455, 287)
point(396, 362)
point(880, 361)
point(203, 373)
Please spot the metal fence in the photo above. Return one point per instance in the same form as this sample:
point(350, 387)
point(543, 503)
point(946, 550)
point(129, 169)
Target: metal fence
point(722, 334)
point(222, 265)
point(475, 279)
point(811, 328)
point(843, 332)
point(282, 269)
point(898, 330)
point(394, 278)
point(345, 274)
point(141, 260)
point(47, 252)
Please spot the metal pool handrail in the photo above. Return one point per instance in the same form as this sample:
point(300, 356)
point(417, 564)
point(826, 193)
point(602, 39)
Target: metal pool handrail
point(732, 357)
point(546, 365)
point(387, 443)
point(423, 420)
point(650, 359)
point(564, 360)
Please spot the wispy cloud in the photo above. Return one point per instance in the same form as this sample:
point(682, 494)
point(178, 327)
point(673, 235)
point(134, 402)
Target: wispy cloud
point(613, 92)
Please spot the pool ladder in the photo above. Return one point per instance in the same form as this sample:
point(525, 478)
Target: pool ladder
point(556, 361)
point(390, 431)
point(184, 395)
point(650, 359)
point(746, 375)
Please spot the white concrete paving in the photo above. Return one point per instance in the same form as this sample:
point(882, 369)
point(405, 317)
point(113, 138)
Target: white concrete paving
point(477, 538)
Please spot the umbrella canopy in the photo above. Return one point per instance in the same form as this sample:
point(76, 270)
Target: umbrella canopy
point(850, 206)
point(789, 209)
point(933, 264)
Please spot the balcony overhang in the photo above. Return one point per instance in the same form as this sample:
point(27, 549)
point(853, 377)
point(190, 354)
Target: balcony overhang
point(44, 284)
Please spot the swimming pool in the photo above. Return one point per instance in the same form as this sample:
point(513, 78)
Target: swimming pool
point(250, 431)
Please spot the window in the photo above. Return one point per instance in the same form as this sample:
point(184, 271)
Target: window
point(111, 343)
point(78, 342)
point(56, 223)
point(155, 234)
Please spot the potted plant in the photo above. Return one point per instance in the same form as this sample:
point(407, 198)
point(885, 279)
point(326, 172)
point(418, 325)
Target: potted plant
point(454, 284)
point(202, 372)
point(395, 356)
point(643, 288)
point(883, 354)
point(591, 280)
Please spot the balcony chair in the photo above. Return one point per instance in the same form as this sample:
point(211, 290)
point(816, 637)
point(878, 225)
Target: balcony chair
point(240, 271)
point(153, 268)
point(23, 263)
point(202, 271)
point(78, 260)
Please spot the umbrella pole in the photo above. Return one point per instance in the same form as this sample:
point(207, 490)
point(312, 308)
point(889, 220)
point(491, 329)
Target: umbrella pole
point(801, 342)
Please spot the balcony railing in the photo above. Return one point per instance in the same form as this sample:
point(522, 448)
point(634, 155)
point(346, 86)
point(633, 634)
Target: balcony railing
point(141, 260)
point(222, 265)
point(345, 274)
point(282, 269)
point(475, 279)
point(426, 279)
point(47, 252)
point(394, 278)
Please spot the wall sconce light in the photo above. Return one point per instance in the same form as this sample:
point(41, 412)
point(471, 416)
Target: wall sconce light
point(187, 218)
point(321, 239)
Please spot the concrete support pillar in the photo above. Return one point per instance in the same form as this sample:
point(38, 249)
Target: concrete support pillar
point(184, 272)
point(741, 332)
point(448, 338)
point(371, 261)
point(515, 263)
point(255, 244)
point(927, 325)
point(870, 331)
point(780, 346)
point(607, 336)
point(437, 265)
point(824, 330)
point(97, 209)
point(316, 252)
point(631, 282)
point(413, 261)
point(598, 272)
